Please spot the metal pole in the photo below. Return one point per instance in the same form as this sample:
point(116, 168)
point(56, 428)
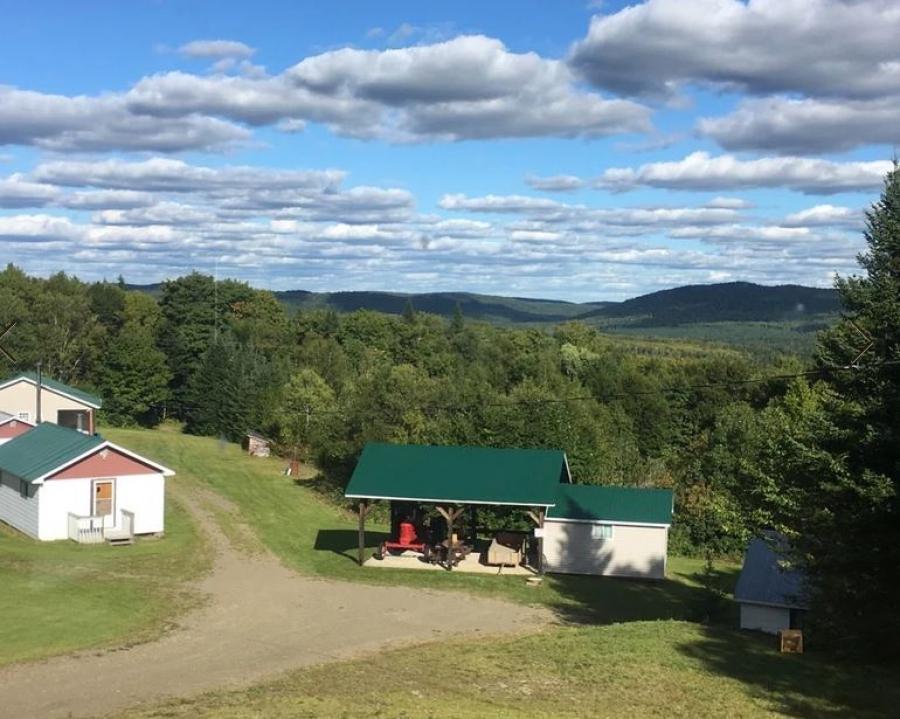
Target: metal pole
point(40, 382)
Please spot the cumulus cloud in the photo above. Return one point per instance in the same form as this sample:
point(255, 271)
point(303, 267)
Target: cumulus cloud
point(17, 192)
point(62, 123)
point(701, 171)
point(216, 49)
point(470, 87)
point(498, 203)
point(824, 215)
point(806, 126)
point(812, 47)
point(555, 183)
point(299, 228)
point(168, 175)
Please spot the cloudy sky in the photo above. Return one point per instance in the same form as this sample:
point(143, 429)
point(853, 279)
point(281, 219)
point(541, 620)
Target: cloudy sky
point(576, 150)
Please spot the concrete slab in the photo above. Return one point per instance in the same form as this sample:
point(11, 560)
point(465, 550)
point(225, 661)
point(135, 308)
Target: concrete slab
point(473, 564)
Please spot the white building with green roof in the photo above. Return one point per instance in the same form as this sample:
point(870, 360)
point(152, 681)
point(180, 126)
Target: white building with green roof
point(56, 402)
point(57, 483)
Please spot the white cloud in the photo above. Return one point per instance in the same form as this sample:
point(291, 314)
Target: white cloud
point(216, 49)
point(555, 183)
point(813, 47)
point(466, 88)
point(806, 126)
point(81, 123)
point(168, 175)
point(17, 192)
point(730, 203)
point(825, 215)
point(498, 203)
point(700, 171)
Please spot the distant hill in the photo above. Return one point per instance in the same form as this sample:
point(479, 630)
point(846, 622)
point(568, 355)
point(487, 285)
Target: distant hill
point(690, 305)
point(725, 302)
point(475, 306)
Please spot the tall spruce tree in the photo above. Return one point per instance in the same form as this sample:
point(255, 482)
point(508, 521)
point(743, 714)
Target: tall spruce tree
point(838, 454)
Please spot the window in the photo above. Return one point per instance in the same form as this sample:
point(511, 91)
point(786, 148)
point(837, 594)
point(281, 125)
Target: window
point(103, 498)
point(25, 416)
point(23, 489)
point(601, 531)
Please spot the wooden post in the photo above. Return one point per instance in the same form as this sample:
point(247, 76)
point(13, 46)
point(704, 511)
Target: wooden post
point(537, 516)
point(363, 511)
point(450, 515)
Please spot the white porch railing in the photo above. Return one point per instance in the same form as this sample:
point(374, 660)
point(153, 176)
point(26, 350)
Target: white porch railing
point(95, 529)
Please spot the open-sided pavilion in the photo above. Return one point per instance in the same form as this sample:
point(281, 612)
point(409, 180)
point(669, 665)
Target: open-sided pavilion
point(452, 479)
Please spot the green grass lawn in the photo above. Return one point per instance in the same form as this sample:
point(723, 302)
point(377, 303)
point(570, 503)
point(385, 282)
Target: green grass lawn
point(60, 596)
point(639, 669)
point(315, 537)
point(624, 651)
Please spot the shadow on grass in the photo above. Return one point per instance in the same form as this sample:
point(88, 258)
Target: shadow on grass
point(345, 542)
point(799, 685)
point(608, 600)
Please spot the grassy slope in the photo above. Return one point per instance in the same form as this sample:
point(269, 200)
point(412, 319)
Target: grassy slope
point(617, 663)
point(60, 596)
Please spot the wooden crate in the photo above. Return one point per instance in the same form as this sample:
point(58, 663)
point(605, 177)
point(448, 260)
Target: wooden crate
point(791, 641)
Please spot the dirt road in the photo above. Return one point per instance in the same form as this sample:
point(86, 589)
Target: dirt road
point(261, 619)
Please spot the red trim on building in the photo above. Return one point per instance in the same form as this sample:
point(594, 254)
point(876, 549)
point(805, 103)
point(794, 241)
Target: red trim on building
point(105, 462)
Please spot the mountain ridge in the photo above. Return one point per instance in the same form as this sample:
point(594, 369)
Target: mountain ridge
point(689, 304)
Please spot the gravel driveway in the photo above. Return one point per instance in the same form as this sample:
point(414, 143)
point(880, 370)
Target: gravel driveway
point(261, 619)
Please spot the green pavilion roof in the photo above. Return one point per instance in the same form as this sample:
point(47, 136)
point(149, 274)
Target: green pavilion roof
point(461, 475)
point(43, 449)
point(592, 503)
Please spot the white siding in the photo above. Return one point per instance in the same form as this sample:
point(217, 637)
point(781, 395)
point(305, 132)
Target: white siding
point(142, 494)
point(145, 495)
point(59, 497)
point(765, 618)
point(15, 510)
point(22, 397)
point(633, 551)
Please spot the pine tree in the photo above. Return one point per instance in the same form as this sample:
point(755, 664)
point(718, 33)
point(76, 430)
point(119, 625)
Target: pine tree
point(834, 453)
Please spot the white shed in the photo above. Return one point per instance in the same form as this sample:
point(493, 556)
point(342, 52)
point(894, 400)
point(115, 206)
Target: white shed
point(58, 483)
point(769, 590)
point(610, 531)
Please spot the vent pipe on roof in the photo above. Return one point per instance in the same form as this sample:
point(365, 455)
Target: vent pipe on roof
point(40, 382)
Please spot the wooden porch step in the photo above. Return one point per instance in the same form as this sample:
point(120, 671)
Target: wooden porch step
point(119, 540)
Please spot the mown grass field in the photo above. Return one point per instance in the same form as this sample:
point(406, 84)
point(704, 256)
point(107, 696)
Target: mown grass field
point(60, 596)
point(624, 649)
point(637, 669)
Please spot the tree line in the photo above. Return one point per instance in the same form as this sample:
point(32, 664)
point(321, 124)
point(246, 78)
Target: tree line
point(808, 448)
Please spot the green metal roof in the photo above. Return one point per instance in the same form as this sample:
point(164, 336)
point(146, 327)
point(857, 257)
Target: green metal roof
point(588, 502)
point(465, 475)
point(56, 386)
point(41, 450)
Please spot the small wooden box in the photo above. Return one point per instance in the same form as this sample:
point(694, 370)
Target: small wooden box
point(791, 641)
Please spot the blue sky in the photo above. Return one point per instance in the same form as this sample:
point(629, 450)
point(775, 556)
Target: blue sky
point(575, 150)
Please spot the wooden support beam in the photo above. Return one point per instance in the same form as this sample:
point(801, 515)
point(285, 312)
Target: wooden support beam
point(450, 514)
point(364, 509)
point(540, 543)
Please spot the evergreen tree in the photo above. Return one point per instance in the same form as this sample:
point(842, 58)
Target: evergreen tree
point(457, 322)
point(409, 312)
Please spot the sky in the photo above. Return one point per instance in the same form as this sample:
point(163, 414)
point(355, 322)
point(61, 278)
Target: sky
point(571, 150)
